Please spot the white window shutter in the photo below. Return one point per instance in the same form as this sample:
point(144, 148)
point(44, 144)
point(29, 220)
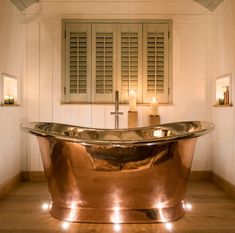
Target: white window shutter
point(129, 60)
point(78, 62)
point(155, 62)
point(103, 62)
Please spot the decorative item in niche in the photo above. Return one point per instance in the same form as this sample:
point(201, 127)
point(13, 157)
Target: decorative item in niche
point(8, 90)
point(223, 90)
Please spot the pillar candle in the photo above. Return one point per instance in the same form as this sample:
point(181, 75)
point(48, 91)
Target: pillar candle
point(132, 101)
point(154, 107)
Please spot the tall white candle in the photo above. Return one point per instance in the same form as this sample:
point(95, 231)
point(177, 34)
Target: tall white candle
point(132, 101)
point(154, 107)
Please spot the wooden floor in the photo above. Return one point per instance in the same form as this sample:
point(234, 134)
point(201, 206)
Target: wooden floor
point(212, 212)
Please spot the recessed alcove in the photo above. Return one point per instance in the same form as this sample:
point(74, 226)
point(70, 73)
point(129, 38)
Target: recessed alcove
point(8, 90)
point(223, 91)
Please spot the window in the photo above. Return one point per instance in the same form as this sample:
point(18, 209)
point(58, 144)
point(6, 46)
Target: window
point(101, 57)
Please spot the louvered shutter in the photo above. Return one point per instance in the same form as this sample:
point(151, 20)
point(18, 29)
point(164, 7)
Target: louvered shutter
point(103, 62)
point(130, 60)
point(155, 62)
point(78, 62)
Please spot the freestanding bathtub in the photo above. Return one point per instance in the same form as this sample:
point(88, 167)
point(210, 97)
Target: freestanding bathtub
point(117, 176)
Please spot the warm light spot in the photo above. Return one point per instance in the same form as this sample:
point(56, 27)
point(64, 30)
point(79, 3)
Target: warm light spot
point(116, 216)
point(188, 206)
point(73, 205)
point(169, 226)
point(117, 227)
point(157, 133)
point(65, 225)
point(159, 205)
point(45, 206)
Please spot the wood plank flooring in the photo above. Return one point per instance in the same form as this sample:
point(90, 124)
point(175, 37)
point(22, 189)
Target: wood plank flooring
point(212, 212)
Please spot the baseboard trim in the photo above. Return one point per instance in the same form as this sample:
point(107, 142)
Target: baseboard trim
point(200, 176)
point(224, 185)
point(33, 176)
point(8, 185)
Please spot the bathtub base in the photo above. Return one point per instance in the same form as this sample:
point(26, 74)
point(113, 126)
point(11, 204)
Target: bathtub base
point(86, 215)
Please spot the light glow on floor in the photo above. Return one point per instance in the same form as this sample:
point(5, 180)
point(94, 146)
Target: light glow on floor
point(117, 227)
point(65, 226)
point(45, 206)
point(188, 206)
point(168, 226)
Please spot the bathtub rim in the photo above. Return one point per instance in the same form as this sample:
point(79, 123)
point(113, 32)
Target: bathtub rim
point(30, 128)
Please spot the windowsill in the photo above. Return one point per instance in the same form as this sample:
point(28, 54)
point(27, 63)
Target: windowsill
point(121, 104)
point(223, 105)
point(10, 105)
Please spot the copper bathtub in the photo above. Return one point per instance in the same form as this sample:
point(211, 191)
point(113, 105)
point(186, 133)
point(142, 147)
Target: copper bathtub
point(118, 176)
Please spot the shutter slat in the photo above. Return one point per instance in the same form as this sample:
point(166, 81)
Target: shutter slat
point(129, 61)
point(155, 62)
point(78, 62)
point(104, 63)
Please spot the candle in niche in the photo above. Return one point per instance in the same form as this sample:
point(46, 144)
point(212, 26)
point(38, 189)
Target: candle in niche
point(11, 100)
point(132, 101)
point(154, 107)
point(6, 99)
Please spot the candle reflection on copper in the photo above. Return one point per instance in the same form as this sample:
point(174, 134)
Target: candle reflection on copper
point(73, 214)
point(159, 206)
point(116, 215)
point(158, 133)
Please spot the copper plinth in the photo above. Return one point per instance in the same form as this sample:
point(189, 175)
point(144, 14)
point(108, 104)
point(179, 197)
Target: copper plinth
point(117, 176)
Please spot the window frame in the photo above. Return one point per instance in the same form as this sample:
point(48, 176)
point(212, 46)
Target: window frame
point(117, 80)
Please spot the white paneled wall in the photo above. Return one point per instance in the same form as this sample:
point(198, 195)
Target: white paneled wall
point(11, 56)
point(191, 74)
point(224, 63)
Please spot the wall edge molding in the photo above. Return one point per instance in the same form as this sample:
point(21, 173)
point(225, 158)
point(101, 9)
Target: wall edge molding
point(9, 184)
point(205, 175)
point(33, 176)
point(224, 185)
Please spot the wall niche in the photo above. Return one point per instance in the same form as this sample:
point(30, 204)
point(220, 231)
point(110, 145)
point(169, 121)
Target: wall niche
point(223, 91)
point(8, 90)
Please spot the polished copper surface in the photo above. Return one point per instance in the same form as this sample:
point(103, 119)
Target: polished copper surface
point(117, 176)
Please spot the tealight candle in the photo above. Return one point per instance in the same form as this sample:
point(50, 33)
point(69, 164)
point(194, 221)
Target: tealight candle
point(11, 100)
point(132, 101)
point(154, 107)
point(6, 99)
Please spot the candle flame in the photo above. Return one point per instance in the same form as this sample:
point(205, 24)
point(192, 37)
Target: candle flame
point(154, 99)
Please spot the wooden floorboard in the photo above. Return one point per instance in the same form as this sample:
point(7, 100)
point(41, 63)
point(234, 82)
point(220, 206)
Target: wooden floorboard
point(212, 212)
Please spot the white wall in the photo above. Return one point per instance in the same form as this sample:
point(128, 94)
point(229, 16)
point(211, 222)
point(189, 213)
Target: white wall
point(224, 63)
point(11, 48)
point(191, 68)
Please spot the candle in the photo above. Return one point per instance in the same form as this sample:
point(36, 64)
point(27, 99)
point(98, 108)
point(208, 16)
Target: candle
point(11, 100)
point(6, 99)
point(153, 107)
point(132, 101)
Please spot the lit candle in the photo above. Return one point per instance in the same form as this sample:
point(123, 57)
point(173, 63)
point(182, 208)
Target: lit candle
point(132, 101)
point(11, 100)
point(154, 107)
point(6, 99)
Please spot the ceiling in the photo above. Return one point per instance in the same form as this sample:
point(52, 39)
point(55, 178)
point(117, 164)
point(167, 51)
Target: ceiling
point(23, 4)
point(208, 4)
